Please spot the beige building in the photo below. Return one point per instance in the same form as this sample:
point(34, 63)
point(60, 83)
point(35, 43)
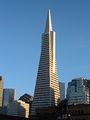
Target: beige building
point(47, 91)
point(18, 108)
point(1, 91)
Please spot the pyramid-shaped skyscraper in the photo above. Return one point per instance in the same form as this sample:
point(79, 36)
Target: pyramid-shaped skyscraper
point(47, 86)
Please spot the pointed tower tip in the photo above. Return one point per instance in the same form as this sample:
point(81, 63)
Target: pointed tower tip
point(49, 10)
point(48, 22)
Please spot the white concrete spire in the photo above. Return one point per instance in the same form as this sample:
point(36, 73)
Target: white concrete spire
point(48, 23)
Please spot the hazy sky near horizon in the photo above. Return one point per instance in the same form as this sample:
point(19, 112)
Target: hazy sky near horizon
point(21, 24)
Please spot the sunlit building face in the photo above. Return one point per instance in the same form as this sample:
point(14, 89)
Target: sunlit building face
point(47, 87)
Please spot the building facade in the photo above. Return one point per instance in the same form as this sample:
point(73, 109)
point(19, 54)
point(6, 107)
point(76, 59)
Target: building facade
point(47, 87)
point(9, 95)
point(79, 112)
point(1, 91)
point(62, 90)
point(78, 91)
point(27, 99)
point(73, 112)
point(18, 108)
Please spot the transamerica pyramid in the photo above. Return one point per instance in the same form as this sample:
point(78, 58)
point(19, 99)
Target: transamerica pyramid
point(47, 86)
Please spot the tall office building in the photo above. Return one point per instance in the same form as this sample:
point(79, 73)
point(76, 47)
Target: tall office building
point(9, 95)
point(78, 91)
point(1, 91)
point(62, 90)
point(47, 86)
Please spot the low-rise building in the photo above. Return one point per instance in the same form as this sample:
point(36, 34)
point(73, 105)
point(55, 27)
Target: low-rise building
point(27, 99)
point(79, 112)
point(18, 108)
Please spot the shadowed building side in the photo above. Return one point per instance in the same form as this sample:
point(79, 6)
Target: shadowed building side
point(47, 87)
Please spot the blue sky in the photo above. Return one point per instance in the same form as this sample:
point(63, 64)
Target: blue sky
point(21, 24)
